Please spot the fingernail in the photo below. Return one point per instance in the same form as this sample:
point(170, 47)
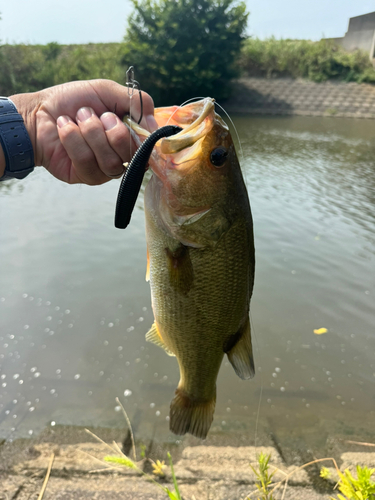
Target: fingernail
point(151, 123)
point(109, 120)
point(63, 120)
point(84, 114)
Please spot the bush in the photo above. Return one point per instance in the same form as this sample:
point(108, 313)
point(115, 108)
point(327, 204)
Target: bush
point(28, 68)
point(179, 66)
point(183, 49)
point(317, 61)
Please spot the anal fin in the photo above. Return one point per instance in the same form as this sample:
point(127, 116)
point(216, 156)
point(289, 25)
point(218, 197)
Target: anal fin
point(153, 335)
point(240, 352)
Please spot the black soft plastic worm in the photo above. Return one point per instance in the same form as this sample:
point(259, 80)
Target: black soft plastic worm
point(132, 180)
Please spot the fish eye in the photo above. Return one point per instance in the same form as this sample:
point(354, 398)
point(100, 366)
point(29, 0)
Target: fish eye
point(218, 156)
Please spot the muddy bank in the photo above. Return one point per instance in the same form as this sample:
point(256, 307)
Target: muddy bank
point(302, 97)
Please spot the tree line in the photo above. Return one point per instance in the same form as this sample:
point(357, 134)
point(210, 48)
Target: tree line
point(181, 49)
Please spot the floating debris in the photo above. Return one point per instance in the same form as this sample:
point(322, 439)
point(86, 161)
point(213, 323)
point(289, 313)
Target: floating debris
point(320, 331)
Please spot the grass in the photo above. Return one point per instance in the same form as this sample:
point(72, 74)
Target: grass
point(351, 488)
point(158, 467)
point(28, 68)
point(264, 477)
point(120, 459)
point(317, 61)
point(362, 488)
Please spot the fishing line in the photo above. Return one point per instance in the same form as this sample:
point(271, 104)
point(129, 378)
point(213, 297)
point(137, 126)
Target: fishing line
point(183, 104)
point(130, 85)
point(226, 113)
point(235, 129)
point(261, 382)
point(251, 320)
point(130, 113)
point(239, 144)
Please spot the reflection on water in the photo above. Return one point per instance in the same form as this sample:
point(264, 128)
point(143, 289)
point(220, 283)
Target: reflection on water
point(74, 306)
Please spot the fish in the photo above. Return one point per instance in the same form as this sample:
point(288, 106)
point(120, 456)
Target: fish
point(200, 257)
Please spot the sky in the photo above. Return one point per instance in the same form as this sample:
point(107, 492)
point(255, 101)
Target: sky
point(83, 21)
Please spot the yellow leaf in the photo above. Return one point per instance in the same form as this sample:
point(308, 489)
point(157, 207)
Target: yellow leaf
point(320, 331)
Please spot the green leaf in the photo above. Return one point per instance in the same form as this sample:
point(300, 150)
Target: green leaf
point(178, 496)
point(182, 49)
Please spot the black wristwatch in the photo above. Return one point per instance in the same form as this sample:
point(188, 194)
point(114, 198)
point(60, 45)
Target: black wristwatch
point(16, 143)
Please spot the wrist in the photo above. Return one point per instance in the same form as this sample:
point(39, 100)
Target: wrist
point(2, 162)
point(27, 106)
point(17, 135)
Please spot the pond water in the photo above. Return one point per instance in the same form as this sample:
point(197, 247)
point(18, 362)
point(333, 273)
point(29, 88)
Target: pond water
point(75, 307)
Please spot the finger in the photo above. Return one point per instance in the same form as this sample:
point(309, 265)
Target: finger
point(116, 96)
point(94, 134)
point(118, 136)
point(84, 161)
point(144, 107)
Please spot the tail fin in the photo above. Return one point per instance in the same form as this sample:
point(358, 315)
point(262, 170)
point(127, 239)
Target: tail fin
point(192, 416)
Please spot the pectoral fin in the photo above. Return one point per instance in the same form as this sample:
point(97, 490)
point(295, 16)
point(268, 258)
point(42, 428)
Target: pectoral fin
point(240, 352)
point(153, 335)
point(180, 268)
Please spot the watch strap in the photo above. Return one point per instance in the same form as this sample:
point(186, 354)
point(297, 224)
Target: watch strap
point(15, 141)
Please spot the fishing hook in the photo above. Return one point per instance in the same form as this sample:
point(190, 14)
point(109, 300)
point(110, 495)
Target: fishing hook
point(132, 86)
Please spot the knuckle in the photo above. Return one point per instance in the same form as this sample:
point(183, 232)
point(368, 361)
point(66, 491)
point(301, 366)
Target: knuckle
point(69, 131)
point(85, 157)
point(114, 166)
point(89, 173)
point(120, 139)
point(90, 127)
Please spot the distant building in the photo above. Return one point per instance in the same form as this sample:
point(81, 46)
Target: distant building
point(360, 34)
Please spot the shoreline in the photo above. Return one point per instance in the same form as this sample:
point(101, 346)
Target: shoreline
point(289, 97)
point(213, 470)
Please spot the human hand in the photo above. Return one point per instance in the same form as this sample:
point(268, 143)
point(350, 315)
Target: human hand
point(75, 133)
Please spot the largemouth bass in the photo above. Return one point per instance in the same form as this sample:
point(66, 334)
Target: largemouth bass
point(200, 258)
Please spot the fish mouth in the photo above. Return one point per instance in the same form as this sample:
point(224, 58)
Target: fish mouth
point(181, 150)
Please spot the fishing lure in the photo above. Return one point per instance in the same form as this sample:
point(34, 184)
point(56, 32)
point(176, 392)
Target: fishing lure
point(133, 176)
point(132, 179)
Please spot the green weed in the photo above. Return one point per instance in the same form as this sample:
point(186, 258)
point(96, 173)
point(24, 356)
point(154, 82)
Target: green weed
point(325, 473)
point(158, 470)
point(317, 61)
point(28, 68)
point(362, 488)
point(264, 477)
